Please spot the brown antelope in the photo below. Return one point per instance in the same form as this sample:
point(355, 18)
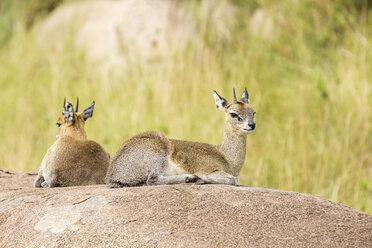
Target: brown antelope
point(73, 159)
point(151, 158)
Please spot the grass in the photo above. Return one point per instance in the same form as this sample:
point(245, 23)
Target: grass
point(310, 83)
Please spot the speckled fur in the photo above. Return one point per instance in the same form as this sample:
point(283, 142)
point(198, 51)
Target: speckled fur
point(150, 158)
point(73, 160)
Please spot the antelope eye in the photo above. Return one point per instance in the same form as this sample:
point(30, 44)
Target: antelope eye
point(233, 115)
point(58, 124)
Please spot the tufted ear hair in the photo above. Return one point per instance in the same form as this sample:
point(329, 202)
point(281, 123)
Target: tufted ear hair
point(88, 112)
point(245, 96)
point(221, 102)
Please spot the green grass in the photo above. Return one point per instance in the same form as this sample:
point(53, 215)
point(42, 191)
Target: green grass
point(310, 84)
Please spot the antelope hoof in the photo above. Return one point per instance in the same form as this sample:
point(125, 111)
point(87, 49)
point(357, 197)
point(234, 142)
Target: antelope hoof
point(45, 185)
point(152, 178)
point(114, 185)
point(192, 179)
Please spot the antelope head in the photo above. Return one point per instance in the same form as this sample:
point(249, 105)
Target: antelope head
point(239, 114)
point(71, 122)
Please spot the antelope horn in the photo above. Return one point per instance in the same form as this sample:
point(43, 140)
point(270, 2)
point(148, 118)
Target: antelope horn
point(64, 104)
point(235, 101)
point(77, 105)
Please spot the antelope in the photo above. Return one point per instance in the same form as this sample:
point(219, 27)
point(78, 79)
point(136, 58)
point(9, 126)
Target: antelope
point(151, 158)
point(73, 159)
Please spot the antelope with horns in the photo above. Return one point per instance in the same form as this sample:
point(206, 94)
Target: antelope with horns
point(151, 158)
point(73, 159)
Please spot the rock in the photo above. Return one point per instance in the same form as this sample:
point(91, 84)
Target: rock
point(113, 32)
point(262, 23)
point(172, 216)
point(219, 19)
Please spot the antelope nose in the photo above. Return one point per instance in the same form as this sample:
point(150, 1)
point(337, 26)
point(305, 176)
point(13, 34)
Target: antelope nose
point(251, 124)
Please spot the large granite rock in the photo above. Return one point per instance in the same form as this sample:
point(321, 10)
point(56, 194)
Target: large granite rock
point(111, 31)
point(173, 216)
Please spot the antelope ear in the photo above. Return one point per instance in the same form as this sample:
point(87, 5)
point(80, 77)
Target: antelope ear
point(88, 112)
point(68, 111)
point(245, 96)
point(221, 102)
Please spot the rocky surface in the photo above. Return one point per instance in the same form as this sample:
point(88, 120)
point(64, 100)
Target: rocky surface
point(173, 216)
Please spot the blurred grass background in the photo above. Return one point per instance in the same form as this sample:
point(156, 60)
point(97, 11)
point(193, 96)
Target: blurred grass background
point(308, 71)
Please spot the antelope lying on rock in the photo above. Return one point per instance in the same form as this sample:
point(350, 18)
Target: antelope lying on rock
point(73, 159)
point(151, 158)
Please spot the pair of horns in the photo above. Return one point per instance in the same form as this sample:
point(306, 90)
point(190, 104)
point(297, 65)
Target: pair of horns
point(245, 95)
point(77, 104)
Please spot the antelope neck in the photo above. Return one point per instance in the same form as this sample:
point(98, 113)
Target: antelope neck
point(233, 148)
point(75, 132)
